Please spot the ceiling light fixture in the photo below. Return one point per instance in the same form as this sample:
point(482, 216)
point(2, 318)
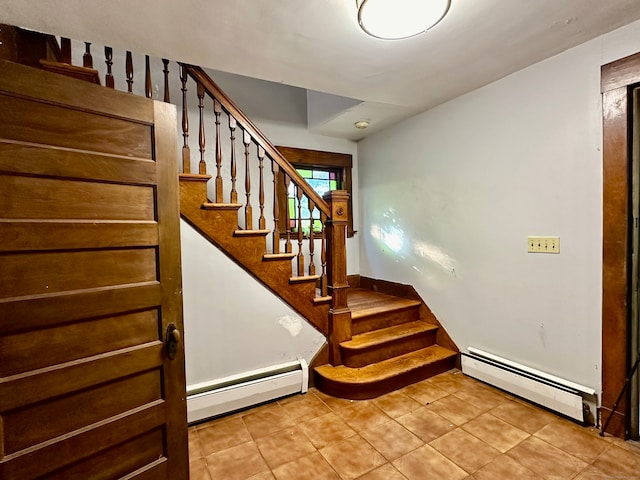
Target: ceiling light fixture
point(361, 125)
point(396, 19)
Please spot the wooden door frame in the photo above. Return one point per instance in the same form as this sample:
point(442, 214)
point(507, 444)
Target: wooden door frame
point(616, 81)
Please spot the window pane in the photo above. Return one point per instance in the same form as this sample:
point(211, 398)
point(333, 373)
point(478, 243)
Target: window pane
point(304, 211)
point(320, 186)
point(321, 180)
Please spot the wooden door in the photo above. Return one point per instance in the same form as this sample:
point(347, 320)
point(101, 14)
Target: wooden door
point(89, 283)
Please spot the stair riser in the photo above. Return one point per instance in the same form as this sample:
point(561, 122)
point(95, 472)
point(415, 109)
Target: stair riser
point(372, 390)
point(356, 358)
point(195, 190)
point(383, 320)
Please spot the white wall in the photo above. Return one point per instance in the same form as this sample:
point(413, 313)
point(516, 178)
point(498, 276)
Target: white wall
point(449, 197)
point(232, 324)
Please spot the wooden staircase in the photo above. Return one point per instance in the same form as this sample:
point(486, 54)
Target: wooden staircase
point(218, 223)
point(394, 343)
point(381, 336)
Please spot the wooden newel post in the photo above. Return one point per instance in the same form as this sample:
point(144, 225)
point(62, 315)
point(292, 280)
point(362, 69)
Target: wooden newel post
point(339, 313)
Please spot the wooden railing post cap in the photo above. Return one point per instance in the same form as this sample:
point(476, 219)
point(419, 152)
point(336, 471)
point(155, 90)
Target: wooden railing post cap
point(336, 196)
point(338, 201)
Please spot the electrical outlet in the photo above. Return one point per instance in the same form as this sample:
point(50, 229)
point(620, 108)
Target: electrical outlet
point(543, 244)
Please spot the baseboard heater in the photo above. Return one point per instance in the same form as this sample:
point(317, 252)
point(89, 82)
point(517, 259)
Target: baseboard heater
point(224, 395)
point(556, 394)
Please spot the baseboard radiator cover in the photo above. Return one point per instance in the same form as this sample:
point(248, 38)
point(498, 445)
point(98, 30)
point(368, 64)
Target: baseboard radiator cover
point(554, 393)
point(225, 395)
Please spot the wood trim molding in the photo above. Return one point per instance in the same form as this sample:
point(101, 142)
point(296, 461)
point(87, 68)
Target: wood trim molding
point(621, 73)
point(300, 157)
point(616, 79)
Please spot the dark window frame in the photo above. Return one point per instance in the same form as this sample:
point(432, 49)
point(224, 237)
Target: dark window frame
point(304, 158)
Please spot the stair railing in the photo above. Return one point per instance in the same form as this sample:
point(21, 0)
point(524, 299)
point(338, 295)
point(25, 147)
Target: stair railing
point(315, 238)
point(333, 208)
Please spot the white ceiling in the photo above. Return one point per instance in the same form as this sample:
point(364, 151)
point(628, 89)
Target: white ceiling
point(317, 44)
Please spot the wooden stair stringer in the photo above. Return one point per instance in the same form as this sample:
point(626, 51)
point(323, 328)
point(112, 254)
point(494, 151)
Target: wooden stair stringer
point(219, 227)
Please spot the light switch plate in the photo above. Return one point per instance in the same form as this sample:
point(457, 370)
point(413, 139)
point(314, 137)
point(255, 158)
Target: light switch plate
point(543, 244)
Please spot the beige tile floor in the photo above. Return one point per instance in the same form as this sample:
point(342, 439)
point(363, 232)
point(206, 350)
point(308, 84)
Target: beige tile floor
point(449, 427)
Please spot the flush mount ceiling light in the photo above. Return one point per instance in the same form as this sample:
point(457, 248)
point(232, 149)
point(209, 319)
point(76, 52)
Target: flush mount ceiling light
point(396, 19)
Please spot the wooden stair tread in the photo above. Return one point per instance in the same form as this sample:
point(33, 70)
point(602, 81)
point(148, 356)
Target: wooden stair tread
point(278, 256)
point(251, 233)
point(194, 177)
point(304, 278)
point(386, 369)
point(384, 335)
point(363, 303)
point(321, 300)
point(221, 206)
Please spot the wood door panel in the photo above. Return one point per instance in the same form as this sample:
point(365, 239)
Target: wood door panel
point(43, 311)
point(117, 461)
point(36, 349)
point(31, 121)
point(39, 385)
point(55, 89)
point(42, 273)
point(65, 235)
point(32, 159)
point(76, 446)
point(24, 197)
point(37, 423)
point(89, 282)
point(157, 469)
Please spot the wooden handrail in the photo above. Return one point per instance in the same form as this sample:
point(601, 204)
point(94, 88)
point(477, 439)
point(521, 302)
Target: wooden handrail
point(199, 75)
